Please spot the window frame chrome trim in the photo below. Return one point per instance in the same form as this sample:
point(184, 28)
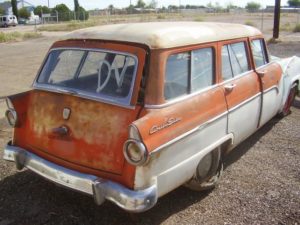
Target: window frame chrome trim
point(126, 103)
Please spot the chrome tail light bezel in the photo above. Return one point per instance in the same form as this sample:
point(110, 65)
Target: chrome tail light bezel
point(142, 152)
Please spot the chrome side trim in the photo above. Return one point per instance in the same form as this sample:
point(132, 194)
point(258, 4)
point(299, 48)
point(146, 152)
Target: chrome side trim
point(244, 102)
point(58, 89)
point(198, 128)
point(100, 189)
point(271, 88)
point(180, 98)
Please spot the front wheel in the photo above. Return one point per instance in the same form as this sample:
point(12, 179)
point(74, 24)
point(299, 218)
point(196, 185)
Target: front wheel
point(287, 106)
point(208, 172)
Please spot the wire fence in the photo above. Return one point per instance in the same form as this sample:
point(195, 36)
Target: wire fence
point(262, 19)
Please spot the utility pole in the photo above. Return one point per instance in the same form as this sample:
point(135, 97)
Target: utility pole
point(48, 4)
point(276, 19)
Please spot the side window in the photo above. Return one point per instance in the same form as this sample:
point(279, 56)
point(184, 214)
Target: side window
point(234, 60)
point(258, 52)
point(176, 77)
point(202, 69)
point(226, 65)
point(238, 56)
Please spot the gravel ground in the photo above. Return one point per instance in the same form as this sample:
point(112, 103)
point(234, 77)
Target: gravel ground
point(260, 185)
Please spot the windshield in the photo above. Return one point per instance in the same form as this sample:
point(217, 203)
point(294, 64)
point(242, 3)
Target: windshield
point(108, 75)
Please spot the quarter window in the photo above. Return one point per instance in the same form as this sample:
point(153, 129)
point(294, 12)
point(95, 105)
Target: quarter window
point(176, 78)
point(202, 69)
point(226, 64)
point(258, 52)
point(234, 60)
point(188, 72)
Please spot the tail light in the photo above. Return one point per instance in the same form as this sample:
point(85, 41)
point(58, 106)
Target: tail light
point(134, 150)
point(11, 114)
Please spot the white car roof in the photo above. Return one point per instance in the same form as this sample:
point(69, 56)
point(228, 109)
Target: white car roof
point(166, 34)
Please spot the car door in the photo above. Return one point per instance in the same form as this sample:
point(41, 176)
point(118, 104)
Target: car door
point(270, 74)
point(241, 88)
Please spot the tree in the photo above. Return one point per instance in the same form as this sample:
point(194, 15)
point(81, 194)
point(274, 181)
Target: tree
point(82, 14)
point(111, 8)
point(252, 6)
point(2, 11)
point(64, 13)
point(231, 6)
point(41, 9)
point(130, 9)
point(76, 6)
point(24, 13)
point(294, 3)
point(172, 7)
point(140, 4)
point(152, 4)
point(14, 8)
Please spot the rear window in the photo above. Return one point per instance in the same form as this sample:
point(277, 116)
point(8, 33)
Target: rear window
point(108, 75)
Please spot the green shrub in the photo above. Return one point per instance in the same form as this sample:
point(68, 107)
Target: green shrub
point(198, 19)
point(161, 17)
point(296, 28)
point(286, 27)
point(17, 36)
point(250, 23)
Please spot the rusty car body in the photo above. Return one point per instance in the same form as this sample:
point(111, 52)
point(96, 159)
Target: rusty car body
point(129, 112)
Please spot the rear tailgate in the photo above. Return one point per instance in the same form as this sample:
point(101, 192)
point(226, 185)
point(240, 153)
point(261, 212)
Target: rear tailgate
point(95, 131)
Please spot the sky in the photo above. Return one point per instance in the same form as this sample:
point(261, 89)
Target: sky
point(100, 4)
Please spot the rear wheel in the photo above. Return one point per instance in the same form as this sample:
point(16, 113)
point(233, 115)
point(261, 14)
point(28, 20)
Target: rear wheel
point(208, 172)
point(287, 106)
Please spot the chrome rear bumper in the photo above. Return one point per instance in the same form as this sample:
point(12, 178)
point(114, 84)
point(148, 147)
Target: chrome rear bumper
point(100, 189)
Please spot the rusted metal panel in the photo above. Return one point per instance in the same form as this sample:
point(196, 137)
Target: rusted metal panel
point(162, 125)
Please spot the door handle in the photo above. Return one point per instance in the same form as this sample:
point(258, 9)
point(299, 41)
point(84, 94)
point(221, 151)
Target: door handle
point(262, 73)
point(60, 131)
point(229, 87)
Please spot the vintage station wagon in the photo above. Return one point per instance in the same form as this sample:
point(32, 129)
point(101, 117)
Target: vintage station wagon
point(129, 112)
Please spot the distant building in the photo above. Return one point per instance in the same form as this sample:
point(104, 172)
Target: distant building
point(20, 4)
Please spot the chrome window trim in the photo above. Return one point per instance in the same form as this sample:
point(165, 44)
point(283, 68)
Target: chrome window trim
point(124, 102)
point(262, 66)
point(236, 77)
point(198, 128)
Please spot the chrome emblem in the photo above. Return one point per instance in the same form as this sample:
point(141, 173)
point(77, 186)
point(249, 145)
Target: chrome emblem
point(66, 113)
point(167, 123)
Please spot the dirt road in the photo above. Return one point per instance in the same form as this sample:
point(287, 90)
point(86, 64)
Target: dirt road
point(260, 184)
